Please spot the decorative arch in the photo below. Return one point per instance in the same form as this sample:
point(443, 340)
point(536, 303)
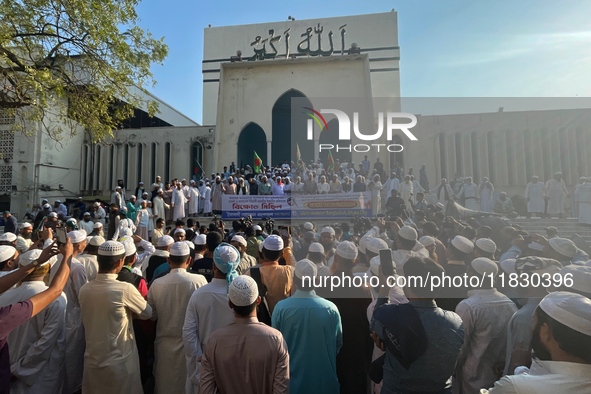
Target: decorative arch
point(252, 139)
point(289, 129)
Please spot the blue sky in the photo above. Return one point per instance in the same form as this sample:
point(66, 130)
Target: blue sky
point(452, 48)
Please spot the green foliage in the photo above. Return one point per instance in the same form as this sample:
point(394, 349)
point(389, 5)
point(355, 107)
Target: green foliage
point(74, 62)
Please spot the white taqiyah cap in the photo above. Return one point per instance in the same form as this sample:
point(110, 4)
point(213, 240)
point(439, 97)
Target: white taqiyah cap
point(130, 248)
point(190, 244)
point(363, 244)
point(98, 225)
point(96, 204)
point(375, 263)
point(46, 206)
point(52, 215)
point(200, 239)
point(29, 256)
point(111, 248)
point(316, 247)
point(86, 214)
point(328, 230)
point(180, 249)
point(508, 266)
point(564, 246)
point(572, 310)
point(347, 250)
point(484, 266)
point(308, 226)
point(6, 252)
point(486, 244)
point(427, 240)
point(536, 246)
point(463, 244)
point(240, 239)
point(77, 236)
point(96, 241)
point(374, 245)
point(408, 233)
point(243, 291)
point(305, 268)
point(581, 278)
point(26, 225)
point(165, 240)
point(273, 242)
point(8, 237)
point(180, 230)
point(257, 228)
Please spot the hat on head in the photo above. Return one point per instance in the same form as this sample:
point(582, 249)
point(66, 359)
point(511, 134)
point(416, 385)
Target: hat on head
point(8, 237)
point(180, 249)
point(118, 188)
point(132, 197)
point(26, 225)
point(536, 246)
point(328, 230)
point(347, 250)
point(98, 225)
point(484, 266)
point(6, 252)
point(46, 206)
point(408, 233)
point(536, 264)
point(273, 242)
point(165, 240)
point(111, 248)
point(200, 239)
point(240, 239)
point(96, 204)
point(463, 244)
point(30, 256)
point(374, 245)
point(551, 228)
point(243, 291)
point(226, 258)
point(96, 241)
point(86, 214)
point(180, 230)
point(58, 201)
point(305, 268)
point(144, 194)
point(52, 215)
point(308, 226)
point(189, 243)
point(581, 278)
point(363, 244)
point(572, 310)
point(257, 228)
point(316, 247)
point(427, 240)
point(130, 248)
point(77, 236)
point(564, 246)
point(508, 266)
point(486, 245)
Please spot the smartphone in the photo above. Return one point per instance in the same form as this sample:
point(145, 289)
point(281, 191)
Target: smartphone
point(386, 262)
point(61, 235)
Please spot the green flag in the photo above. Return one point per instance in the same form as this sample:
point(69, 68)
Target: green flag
point(258, 164)
point(330, 162)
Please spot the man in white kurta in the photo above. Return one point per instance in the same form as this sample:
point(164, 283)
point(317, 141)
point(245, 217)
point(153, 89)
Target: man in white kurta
point(194, 198)
point(207, 204)
point(469, 191)
point(406, 190)
point(485, 193)
point(201, 189)
point(38, 347)
point(555, 193)
point(178, 203)
point(168, 296)
point(444, 192)
point(159, 206)
point(584, 199)
point(111, 362)
point(534, 194)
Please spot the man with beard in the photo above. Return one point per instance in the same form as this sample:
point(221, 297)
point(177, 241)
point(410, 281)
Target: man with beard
point(23, 241)
point(86, 224)
point(327, 239)
point(561, 343)
point(555, 193)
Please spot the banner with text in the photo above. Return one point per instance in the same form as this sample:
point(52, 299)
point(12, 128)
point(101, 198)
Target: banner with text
point(297, 206)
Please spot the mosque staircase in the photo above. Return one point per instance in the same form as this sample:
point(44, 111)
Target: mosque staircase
point(566, 227)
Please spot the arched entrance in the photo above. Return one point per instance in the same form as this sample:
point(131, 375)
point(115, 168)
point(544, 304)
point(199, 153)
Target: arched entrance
point(252, 139)
point(284, 145)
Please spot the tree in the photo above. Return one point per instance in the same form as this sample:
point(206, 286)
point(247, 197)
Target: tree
point(75, 62)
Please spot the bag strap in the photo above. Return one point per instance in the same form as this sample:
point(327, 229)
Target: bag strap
point(255, 274)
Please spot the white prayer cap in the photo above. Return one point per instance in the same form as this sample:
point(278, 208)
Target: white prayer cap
point(6, 252)
point(363, 244)
point(308, 226)
point(111, 248)
point(439, 205)
point(183, 180)
point(427, 240)
point(374, 245)
point(257, 228)
point(96, 241)
point(141, 183)
point(130, 248)
point(132, 197)
point(190, 244)
point(463, 244)
point(8, 237)
point(118, 188)
point(328, 230)
point(86, 214)
point(58, 201)
point(200, 239)
point(536, 246)
point(581, 278)
point(144, 194)
point(572, 310)
point(180, 249)
point(180, 230)
point(243, 291)
point(564, 246)
point(77, 236)
point(316, 247)
point(408, 233)
point(96, 204)
point(484, 266)
point(305, 268)
point(347, 250)
point(375, 263)
point(26, 225)
point(98, 225)
point(240, 239)
point(30, 256)
point(273, 242)
point(192, 181)
point(165, 240)
point(486, 244)
point(160, 191)
point(46, 206)
point(52, 215)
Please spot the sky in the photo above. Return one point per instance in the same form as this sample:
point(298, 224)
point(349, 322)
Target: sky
point(452, 48)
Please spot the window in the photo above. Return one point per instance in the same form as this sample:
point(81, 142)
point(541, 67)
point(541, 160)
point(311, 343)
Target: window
point(140, 159)
point(153, 162)
point(167, 162)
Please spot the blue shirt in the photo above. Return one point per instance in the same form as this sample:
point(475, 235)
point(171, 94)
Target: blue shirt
point(430, 373)
point(312, 330)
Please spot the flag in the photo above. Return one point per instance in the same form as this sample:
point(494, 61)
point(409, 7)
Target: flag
point(330, 162)
point(197, 171)
point(298, 153)
point(258, 164)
